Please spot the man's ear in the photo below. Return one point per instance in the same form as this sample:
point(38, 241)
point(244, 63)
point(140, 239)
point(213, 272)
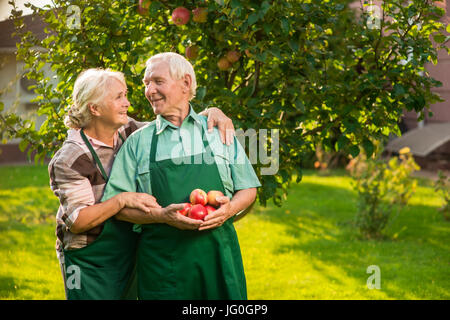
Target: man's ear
point(187, 83)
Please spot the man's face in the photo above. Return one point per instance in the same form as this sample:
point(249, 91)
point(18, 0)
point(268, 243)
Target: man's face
point(164, 93)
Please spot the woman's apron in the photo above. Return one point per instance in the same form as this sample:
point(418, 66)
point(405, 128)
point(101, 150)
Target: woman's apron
point(105, 268)
point(188, 264)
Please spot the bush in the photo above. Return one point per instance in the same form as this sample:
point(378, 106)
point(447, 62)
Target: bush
point(442, 186)
point(382, 187)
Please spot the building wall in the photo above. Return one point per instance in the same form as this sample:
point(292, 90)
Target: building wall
point(441, 72)
point(16, 100)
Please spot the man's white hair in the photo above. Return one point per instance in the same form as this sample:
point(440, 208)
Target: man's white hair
point(178, 68)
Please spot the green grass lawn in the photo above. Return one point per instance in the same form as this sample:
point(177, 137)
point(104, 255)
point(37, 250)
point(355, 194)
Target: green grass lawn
point(306, 249)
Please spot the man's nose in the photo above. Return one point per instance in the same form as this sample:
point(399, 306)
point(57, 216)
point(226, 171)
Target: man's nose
point(150, 90)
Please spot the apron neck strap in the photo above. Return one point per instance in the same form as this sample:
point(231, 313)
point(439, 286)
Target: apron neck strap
point(154, 143)
point(94, 155)
point(121, 138)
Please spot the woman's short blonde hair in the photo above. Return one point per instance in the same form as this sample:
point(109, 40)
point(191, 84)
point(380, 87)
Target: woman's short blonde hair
point(178, 67)
point(90, 87)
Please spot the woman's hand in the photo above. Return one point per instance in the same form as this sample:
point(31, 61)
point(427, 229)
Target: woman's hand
point(135, 200)
point(216, 118)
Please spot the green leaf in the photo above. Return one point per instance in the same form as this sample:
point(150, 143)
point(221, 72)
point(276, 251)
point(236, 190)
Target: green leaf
point(23, 145)
point(285, 25)
point(354, 151)
point(275, 51)
point(341, 142)
point(234, 4)
point(398, 90)
point(439, 38)
point(339, 7)
point(299, 175)
point(200, 94)
point(252, 18)
point(293, 45)
point(448, 28)
point(299, 105)
point(368, 147)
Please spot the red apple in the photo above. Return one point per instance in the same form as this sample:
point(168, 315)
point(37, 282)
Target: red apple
point(197, 212)
point(186, 209)
point(191, 52)
point(212, 197)
point(180, 16)
point(233, 56)
point(198, 196)
point(200, 15)
point(143, 7)
point(224, 64)
point(210, 209)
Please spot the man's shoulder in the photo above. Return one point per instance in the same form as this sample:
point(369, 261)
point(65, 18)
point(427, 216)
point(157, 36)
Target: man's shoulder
point(142, 131)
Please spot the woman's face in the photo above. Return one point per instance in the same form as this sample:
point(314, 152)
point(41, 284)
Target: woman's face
point(114, 107)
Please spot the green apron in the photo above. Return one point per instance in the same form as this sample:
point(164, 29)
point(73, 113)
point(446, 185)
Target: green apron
point(188, 264)
point(105, 269)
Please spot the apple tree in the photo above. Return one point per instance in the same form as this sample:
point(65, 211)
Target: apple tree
point(318, 72)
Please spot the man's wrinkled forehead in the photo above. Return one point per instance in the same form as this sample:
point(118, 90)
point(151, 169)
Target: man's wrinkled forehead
point(157, 69)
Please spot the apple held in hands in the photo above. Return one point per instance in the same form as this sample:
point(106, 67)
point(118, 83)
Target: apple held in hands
point(198, 212)
point(210, 209)
point(211, 197)
point(198, 196)
point(185, 210)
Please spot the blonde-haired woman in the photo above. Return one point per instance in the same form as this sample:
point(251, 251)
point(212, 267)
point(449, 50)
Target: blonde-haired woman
point(96, 243)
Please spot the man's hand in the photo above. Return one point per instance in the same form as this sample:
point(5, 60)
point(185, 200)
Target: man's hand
point(170, 216)
point(218, 217)
point(216, 118)
point(242, 199)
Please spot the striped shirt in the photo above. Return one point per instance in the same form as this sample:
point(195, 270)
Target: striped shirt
point(77, 181)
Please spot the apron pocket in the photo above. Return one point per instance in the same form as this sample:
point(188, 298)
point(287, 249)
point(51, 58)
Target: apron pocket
point(93, 283)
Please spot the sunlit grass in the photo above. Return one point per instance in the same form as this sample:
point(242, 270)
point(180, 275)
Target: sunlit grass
point(307, 249)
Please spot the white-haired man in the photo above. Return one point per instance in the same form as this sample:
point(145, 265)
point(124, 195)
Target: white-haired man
point(169, 158)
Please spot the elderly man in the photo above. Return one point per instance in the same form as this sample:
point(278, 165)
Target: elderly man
point(168, 158)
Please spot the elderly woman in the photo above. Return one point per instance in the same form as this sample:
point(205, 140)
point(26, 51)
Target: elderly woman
point(96, 244)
